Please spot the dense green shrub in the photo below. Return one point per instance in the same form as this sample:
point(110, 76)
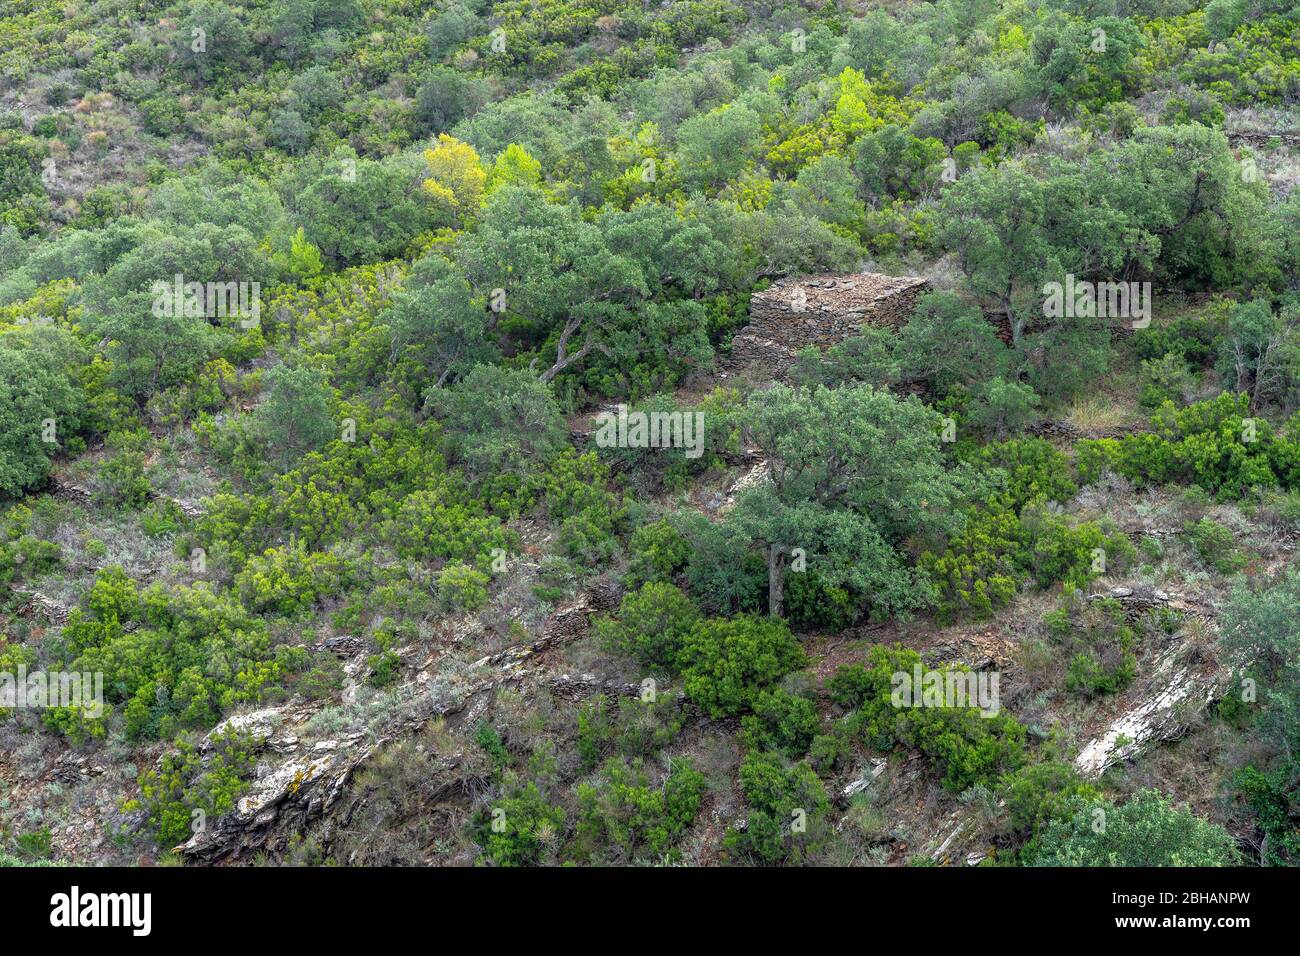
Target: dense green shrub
point(290, 580)
point(782, 722)
point(1038, 793)
point(1215, 545)
point(1036, 473)
point(851, 685)
point(447, 523)
point(190, 789)
point(656, 552)
point(1194, 340)
point(41, 408)
point(787, 809)
point(1271, 797)
point(1166, 379)
point(120, 479)
point(966, 746)
point(980, 569)
point(622, 812)
point(1144, 831)
point(652, 624)
point(996, 551)
point(811, 602)
point(175, 657)
point(519, 829)
point(1259, 624)
point(22, 555)
point(1075, 554)
point(462, 588)
point(1215, 444)
point(727, 663)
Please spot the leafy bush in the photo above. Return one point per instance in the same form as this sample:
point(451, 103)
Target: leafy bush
point(811, 602)
point(23, 556)
point(291, 580)
point(1260, 624)
point(498, 421)
point(1041, 792)
point(656, 552)
point(652, 624)
point(174, 657)
point(120, 480)
point(1075, 554)
point(1145, 831)
point(622, 811)
point(1036, 473)
point(462, 588)
point(726, 663)
point(1215, 545)
point(520, 828)
point(781, 722)
point(787, 807)
point(980, 569)
point(1214, 444)
point(984, 564)
point(1271, 797)
point(190, 789)
point(40, 413)
point(966, 746)
point(1166, 379)
point(444, 522)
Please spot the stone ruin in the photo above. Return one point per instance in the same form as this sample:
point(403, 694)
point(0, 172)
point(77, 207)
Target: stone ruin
point(819, 310)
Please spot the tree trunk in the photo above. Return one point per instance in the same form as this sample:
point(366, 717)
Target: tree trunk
point(775, 579)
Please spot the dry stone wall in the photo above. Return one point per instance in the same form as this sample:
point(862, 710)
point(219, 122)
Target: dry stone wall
point(820, 310)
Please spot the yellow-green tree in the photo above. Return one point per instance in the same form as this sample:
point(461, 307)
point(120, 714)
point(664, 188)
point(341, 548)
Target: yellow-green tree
point(456, 179)
point(514, 167)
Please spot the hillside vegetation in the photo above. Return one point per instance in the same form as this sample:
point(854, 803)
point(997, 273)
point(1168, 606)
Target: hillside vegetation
point(313, 318)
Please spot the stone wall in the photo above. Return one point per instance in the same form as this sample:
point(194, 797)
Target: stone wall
point(819, 310)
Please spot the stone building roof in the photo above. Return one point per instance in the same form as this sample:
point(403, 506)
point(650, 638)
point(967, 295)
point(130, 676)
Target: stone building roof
point(840, 294)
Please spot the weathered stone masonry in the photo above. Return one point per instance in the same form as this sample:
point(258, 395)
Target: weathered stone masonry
point(819, 310)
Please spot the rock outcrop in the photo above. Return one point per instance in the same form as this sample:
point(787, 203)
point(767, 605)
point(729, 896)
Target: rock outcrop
point(300, 782)
point(39, 606)
point(1182, 680)
point(1177, 688)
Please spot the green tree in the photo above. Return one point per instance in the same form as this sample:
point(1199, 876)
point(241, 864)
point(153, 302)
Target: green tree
point(41, 408)
point(296, 416)
point(948, 342)
point(1259, 626)
point(437, 324)
point(1002, 408)
point(1260, 355)
point(498, 421)
point(358, 211)
point(850, 472)
point(714, 147)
